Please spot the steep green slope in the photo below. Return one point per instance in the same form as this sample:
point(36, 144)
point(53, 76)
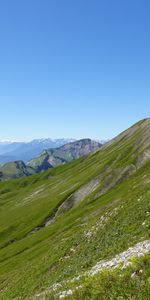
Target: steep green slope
point(59, 223)
point(53, 157)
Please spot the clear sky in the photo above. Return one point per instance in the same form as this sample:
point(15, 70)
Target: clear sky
point(73, 68)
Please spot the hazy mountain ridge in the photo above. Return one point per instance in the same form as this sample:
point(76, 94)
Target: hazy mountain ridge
point(48, 159)
point(25, 151)
point(66, 153)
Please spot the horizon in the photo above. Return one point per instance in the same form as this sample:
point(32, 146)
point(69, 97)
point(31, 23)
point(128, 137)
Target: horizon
point(105, 139)
point(48, 138)
point(74, 70)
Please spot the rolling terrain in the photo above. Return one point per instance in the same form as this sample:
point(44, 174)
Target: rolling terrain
point(57, 225)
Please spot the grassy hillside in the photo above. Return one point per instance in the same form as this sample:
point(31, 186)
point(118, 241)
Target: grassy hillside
point(59, 223)
point(15, 169)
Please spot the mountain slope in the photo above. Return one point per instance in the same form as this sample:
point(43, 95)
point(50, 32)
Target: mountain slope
point(15, 169)
point(66, 153)
point(57, 224)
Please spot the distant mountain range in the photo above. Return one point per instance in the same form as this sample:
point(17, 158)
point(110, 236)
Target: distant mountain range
point(11, 151)
point(49, 158)
point(66, 153)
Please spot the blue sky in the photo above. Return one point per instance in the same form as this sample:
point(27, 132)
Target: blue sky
point(73, 68)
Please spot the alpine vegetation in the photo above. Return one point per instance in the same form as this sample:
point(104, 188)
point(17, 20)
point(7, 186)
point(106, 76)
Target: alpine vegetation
point(80, 230)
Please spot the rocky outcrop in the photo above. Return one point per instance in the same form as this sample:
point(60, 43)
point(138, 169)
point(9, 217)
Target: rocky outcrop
point(123, 260)
point(136, 251)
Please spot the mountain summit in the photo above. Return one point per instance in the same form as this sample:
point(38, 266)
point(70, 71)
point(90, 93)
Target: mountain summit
point(66, 153)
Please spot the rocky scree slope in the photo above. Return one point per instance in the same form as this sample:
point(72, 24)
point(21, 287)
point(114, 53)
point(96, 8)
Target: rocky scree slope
point(58, 224)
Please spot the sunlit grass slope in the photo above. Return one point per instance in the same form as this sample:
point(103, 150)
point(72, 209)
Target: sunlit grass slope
point(98, 206)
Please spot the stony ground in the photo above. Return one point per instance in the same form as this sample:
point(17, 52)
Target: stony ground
point(123, 259)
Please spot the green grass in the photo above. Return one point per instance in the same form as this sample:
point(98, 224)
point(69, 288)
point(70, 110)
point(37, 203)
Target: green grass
point(113, 284)
point(30, 263)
